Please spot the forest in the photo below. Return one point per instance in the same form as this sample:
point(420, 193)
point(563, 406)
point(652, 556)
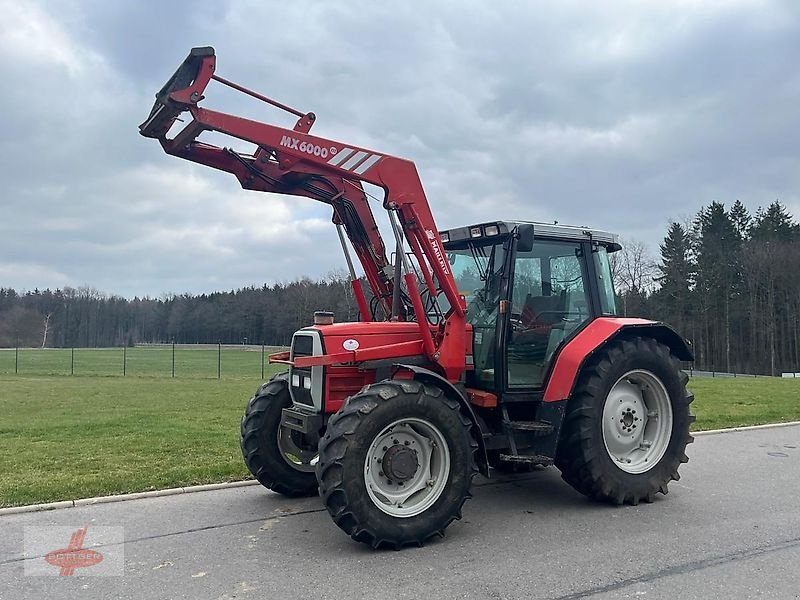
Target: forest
point(728, 280)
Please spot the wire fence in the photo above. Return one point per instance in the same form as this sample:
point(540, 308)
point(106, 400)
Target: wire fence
point(696, 373)
point(724, 374)
point(156, 360)
point(176, 360)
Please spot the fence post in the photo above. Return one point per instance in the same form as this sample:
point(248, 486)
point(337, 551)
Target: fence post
point(173, 358)
point(124, 360)
point(16, 360)
point(262, 360)
point(219, 360)
point(72, 361)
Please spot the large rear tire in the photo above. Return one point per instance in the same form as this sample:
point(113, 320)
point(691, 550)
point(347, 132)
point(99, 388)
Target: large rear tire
point(279, 458)
point(396, 464)
point(627, 424)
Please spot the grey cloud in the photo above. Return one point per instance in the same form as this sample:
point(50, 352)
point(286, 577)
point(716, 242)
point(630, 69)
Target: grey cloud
point(620, 116)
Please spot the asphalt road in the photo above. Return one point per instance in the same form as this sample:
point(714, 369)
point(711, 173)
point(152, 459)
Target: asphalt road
point(729, 529)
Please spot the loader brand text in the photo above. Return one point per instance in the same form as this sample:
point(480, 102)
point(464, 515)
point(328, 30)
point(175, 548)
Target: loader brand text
point(307, 147)
point(437, 250)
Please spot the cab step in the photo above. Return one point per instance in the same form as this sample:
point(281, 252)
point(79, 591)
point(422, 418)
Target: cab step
point(536, 426)
point(527, 459)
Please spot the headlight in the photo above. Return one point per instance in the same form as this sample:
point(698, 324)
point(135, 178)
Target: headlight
point(445, 236)
point(295, 380)
point(492, 230)
point(474, 232)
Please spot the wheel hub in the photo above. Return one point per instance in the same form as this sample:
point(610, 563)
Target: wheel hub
point(400, 463)
point(406, 467)
point(628, 420)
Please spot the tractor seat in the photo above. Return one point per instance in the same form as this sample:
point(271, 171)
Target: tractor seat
point(541, 318)
point(543, 312)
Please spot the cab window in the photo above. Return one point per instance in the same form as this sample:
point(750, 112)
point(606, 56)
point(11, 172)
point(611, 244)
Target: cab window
point(549, 301)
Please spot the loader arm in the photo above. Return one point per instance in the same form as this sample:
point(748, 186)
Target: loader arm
point(291, 161)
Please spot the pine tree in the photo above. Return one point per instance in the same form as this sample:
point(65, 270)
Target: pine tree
point(718, 247)
point(742, 221)
point(676, 264)
point(775, 224)
point(773, 257)
point(677, 272)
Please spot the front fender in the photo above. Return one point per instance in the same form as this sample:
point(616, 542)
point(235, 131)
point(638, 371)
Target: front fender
point(572, 356)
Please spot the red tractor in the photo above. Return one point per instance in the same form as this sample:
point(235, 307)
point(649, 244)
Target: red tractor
point(488, 347)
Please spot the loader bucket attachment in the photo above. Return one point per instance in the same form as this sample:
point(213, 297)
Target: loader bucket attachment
point(182, 90)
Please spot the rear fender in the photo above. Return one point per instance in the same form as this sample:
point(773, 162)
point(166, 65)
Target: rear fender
point(428, 377)
point(569, 361)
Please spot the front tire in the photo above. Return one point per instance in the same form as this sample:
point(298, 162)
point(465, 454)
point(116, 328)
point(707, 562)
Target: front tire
point(627, 424)
point(278, 457)
point(396, 464)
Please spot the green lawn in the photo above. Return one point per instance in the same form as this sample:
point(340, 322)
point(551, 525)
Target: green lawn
point(73, 437)
point(733, 402)
point(201, 360)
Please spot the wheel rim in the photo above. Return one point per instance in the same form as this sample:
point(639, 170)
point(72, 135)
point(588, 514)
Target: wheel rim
point(637, 421)
point(298, 455)
point(407, 467)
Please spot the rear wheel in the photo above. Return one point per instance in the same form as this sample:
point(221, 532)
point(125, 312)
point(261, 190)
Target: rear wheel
point(396, 463)
point(281, 459)
point(627, 423)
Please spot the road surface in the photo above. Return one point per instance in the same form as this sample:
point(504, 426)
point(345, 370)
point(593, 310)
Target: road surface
point(730, 528)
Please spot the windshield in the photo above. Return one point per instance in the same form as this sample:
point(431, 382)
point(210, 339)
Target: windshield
point(476, 271)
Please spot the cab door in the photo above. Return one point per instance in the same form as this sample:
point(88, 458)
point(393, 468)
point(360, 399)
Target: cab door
point(548, 300)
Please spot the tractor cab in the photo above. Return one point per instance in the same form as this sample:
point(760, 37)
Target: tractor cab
point(528, 288)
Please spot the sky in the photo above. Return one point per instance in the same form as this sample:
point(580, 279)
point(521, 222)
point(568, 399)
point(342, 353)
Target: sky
point(619, 115)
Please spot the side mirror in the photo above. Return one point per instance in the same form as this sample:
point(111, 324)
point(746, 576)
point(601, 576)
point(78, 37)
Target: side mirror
point(524, 237)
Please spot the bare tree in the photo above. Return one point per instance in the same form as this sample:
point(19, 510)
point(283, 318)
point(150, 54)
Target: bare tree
point(634, 272)
point(637, 269)
point(46, 328)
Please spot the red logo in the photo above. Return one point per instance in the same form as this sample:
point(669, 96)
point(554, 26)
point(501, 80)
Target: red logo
point(74, 555)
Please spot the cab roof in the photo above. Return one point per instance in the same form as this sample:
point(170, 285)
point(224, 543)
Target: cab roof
point(459, 236)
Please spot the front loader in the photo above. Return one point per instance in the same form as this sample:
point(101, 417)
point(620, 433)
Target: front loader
point(493, 346)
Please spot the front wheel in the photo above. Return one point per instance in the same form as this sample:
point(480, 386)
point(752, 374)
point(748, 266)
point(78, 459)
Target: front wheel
point(396, 463)
point(627, 423)
point(280, 458)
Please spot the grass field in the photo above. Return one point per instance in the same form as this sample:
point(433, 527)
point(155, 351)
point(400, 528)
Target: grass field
point(202, 360)
point(73, 437)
